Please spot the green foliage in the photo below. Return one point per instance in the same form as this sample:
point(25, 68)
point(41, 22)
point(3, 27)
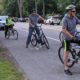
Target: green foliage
point(11, 7)
point(25, 8)
point(56, 6)
point(7, 72)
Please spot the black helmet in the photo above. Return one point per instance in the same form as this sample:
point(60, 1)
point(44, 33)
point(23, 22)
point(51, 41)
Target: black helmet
point(70, 7)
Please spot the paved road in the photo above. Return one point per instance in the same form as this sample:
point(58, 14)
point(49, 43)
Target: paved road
point(39, 64)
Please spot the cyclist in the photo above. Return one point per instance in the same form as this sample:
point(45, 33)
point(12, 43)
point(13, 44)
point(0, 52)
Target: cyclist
point(69, 23)
point(33, 20)
point(9, 24)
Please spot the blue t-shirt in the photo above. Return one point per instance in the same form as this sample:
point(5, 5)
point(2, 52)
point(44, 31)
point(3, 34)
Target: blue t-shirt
point(70, 24)
point(34, 19)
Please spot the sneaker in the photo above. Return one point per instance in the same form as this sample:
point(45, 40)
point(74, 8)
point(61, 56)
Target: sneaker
point(37, 48)
point(68, 72)
point(78, 54)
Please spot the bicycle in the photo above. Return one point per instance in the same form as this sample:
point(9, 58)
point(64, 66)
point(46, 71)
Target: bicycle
point(12, 33)
point(35, 38)
point(61, 35)
point(74, 54)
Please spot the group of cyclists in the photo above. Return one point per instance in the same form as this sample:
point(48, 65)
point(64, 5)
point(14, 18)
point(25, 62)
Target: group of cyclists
point(69, 23)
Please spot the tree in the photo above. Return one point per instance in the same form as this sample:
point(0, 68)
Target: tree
point(10, 7)
point(20, 6)
point(43, 7)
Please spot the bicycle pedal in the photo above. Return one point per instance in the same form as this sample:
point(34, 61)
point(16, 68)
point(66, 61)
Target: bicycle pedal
point(76, 61)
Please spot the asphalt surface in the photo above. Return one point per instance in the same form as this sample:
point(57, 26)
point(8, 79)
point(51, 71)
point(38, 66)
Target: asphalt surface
point(39, 64)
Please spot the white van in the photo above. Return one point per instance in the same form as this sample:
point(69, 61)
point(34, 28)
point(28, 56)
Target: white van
point(3, 20)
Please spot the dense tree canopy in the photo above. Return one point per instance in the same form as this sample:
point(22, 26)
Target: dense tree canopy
point(23, 7)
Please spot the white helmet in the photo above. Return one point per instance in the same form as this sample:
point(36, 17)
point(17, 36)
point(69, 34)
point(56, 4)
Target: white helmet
point(70, 7)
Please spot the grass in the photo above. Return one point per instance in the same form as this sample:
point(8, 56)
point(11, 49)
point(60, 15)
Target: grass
point(7, 70)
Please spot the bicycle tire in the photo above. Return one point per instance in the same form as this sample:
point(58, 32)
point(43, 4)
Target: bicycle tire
point(8, 34)
point(15, 34)
point(61, 36)
point(61, 59)
point(45, 41)
point(33, 40)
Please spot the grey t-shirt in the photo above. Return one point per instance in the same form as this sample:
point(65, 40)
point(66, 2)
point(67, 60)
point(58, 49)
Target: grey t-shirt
point(70, 24)
point(34, 19)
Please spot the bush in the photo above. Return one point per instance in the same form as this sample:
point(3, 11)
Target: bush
point(78, 15)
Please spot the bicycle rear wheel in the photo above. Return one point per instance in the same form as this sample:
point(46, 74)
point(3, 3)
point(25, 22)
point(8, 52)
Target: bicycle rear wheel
point(61, 36)
point(70, 61)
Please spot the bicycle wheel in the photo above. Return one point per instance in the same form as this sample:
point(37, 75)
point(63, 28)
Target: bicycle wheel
point(33, 40)
point(61, 36)
point(70, 61)
point(15, 34)
point(8, 35)
point(45, 41)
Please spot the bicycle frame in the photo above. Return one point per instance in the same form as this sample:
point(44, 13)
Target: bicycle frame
point(75, 48)
point(41, 32)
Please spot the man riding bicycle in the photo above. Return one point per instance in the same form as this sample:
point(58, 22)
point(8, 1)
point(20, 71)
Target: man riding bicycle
point(69, 23)
point(9, 24)
point(33, 20)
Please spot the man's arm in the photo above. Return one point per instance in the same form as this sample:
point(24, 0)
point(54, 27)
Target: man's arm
point(30, 23)
point(67, 33)
point(41, 18)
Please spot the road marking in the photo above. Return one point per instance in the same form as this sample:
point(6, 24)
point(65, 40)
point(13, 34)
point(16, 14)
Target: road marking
point(46, 36)
point(53, 39)
point(53, 29)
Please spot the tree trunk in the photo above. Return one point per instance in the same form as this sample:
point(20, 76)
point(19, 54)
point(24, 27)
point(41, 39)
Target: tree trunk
point(36, 5)
point(20, 6)
point(43, 8)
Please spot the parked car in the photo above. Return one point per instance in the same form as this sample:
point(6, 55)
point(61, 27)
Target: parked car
point(2, 22)
point(21, 19)
point(53, 20)
point(49, 20)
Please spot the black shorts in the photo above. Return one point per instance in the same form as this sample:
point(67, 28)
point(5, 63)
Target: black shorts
point(66, 44)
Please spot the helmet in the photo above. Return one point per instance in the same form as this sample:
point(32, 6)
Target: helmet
point(70, 7)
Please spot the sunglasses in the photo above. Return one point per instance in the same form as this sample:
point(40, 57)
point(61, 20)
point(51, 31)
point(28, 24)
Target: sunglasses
point(73, 11)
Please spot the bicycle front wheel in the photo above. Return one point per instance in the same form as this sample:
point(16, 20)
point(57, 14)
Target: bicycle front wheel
point(70, 60)
point(15, 34)
point(8, 34)
point(33, 40)
point(45, 41)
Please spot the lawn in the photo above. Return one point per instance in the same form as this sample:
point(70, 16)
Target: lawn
point(7, 70)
